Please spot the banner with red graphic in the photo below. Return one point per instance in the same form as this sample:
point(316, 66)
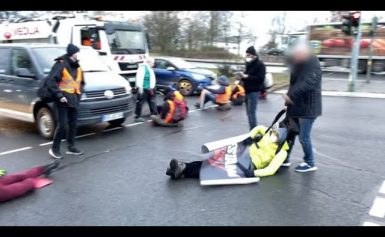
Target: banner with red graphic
point(221, 166)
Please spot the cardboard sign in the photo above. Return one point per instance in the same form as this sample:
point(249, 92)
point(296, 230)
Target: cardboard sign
point(42, 182)
point(221, 167)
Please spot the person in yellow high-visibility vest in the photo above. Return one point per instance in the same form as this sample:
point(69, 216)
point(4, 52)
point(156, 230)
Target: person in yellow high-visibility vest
point(66, 83)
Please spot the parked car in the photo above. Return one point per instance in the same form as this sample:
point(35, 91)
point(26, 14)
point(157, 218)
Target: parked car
point(276, 51)
point(190, 79)
point(107, 96)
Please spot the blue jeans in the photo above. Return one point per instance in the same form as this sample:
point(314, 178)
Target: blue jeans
point(251, 108)
point(305, 126)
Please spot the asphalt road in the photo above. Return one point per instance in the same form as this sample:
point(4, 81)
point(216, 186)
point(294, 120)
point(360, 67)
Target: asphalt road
point(121, 179)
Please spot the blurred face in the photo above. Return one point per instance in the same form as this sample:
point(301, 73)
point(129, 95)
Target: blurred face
point(150, 62)
point(249, 57)
point(300, 55)
point(74, 57)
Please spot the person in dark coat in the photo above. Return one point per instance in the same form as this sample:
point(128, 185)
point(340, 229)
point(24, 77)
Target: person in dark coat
point(253, 79)
point(66, 82)
point(304, 101)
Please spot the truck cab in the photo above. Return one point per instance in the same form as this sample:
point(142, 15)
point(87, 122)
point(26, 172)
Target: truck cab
point(121, 45)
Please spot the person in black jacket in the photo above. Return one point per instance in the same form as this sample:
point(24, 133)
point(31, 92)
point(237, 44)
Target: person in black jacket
point(304, 101)
point(66, 82)
point(253, 79)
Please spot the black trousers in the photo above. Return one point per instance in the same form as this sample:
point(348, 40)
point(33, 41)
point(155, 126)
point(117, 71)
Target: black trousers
point(67, 116)
point(192, 169)
point(148, 96)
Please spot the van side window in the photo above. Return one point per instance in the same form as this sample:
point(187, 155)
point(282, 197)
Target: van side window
point(90, 37)
point(4, 61)
point(21, 59)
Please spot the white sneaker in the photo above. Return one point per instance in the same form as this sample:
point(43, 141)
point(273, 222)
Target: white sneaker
point(55, 155)
point(286, 164)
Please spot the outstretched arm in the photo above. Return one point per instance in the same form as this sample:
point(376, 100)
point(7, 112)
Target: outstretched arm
point(273, 166)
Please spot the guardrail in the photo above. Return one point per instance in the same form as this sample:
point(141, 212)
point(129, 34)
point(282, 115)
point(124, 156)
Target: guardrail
point(268, 60)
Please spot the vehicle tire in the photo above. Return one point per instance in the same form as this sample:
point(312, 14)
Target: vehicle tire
point(186, 87)
point(45, 123)
point(117, 122)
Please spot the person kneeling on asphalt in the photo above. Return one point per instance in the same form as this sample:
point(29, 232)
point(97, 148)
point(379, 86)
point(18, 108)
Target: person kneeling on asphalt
point(219, 96)
point(17, 185)
point(267, 155)
point(238, 93)
point(173, 111)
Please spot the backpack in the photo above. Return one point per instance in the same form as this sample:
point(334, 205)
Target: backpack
point(180, 112)
point(44, 92)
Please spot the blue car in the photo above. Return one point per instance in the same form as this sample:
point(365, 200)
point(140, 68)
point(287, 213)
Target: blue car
point(189, 79)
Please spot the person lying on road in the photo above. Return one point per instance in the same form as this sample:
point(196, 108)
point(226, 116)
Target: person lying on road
point(219, 96)
point(17, 185)
point(263, 154)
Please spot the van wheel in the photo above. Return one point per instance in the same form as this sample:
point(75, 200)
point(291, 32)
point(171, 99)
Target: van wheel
point(117, 122)
point(185, 87)
point(45, 123)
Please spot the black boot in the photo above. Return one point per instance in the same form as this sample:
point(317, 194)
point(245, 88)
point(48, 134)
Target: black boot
point(176, 169)
point(197, 105)
point(48, 168)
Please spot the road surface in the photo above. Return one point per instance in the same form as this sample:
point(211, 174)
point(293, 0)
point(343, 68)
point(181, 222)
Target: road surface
point(121, 179)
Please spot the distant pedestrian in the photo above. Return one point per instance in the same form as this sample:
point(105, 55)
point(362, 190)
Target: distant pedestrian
point(145, 82)
point(304, 101)
point(66, 83)
point(253, 79)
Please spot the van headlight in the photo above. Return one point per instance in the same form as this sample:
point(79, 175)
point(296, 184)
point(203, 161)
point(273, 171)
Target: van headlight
point(198, 76)
point(127, 87)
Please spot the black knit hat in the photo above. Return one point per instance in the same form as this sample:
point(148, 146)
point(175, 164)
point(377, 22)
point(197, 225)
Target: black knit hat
point(251, 50)
point(72, 49)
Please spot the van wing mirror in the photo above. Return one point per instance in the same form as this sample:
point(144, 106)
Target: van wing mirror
point(24, 72)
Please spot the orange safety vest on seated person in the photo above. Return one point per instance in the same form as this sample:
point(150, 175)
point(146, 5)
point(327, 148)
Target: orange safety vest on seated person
point(240, 92)
point(171, 110)
point(68, 84)
point(225, 97)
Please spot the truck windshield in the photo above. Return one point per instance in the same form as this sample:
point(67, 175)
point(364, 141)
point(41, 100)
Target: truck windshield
point(127, 42)
point(88, 59)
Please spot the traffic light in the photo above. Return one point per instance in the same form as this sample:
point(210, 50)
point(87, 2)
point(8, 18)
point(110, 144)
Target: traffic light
point(355, 18)
point(351, 22)
point(346, 25)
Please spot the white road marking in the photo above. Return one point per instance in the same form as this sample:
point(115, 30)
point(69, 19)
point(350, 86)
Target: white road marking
point(86, 135)
point(382, 189)
point(367, 223)
point(45, 144)
point(15, 150)
point(345, 94)
point(378, 208)
point(90, 134)
point(133, 124)
point(112, 129)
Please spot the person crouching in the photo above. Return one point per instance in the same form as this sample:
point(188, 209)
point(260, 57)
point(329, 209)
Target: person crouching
point(237, 94)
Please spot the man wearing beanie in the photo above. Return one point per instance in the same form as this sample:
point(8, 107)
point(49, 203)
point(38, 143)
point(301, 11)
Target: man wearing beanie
point(66, 82)
point(253, 79)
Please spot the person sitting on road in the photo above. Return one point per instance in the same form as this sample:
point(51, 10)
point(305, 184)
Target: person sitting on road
point(238, 93)
point(267, 155)
point(17, 185)
point(174, 109)
point(219, 96)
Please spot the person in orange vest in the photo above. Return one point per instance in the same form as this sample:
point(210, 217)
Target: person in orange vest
point(220, 96)
point(86, 41)
point(237, 94)
point(66, 83)
point(174, 109)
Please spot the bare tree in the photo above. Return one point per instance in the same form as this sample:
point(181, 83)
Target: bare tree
point(163, 27)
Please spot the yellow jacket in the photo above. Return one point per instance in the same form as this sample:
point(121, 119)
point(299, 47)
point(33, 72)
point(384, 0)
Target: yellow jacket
point(264, 157)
